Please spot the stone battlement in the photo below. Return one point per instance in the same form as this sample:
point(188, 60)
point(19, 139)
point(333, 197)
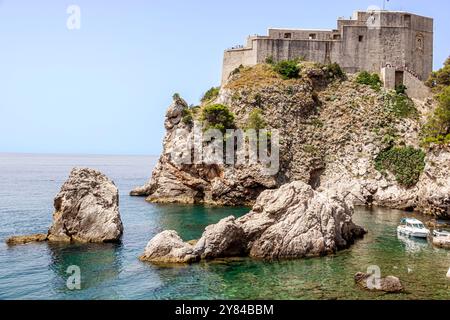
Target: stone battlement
point(370, 40)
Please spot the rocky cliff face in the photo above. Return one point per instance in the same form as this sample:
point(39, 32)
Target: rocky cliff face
point(331, 130)
point(214, 184)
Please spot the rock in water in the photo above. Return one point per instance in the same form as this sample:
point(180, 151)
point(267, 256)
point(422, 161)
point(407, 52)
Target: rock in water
point(295, 222)
point(26, 239)
point(224, 239)
point(86, 209)
point(292, 222)
point(167, 247)
point(389, 284)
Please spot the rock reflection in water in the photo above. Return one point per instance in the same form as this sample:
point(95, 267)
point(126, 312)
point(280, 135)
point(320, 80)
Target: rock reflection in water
point(99, 264)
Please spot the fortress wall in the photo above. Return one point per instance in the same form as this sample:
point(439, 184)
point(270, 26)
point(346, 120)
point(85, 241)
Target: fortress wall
point(388, 77)
point(319, 51)
point(355, 55)
point(391, 48)
point(232, 59)
point(416, 89)
point(369, 42)
point(419, 46)
point(301, 34)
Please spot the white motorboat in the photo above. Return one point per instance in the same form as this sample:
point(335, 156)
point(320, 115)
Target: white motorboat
point(413, 228)
point(440, 233)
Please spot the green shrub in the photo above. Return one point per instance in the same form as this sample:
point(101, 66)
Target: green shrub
point(401, 89)
point(288, 69)
point(270, 60)
point(400, 105)
point(176, 96)
point(440, 78)
point(406, 163)
point(437, 129)
point(372, 80)
point(187, 117)
point(336, 70)
point(217, 116)
point(211, 94)
point(256, 120)
point(236, 70)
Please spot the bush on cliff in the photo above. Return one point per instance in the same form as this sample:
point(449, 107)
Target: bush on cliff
point(440, 78)
point(288, 69)
point(437, 129)
point(211, 94)
point(255, 120)
point(372, 80)
point(217, 116)
point(335, 70)
point(188, 117)
point(401, 89)
point(406, 163)
point(400, 105)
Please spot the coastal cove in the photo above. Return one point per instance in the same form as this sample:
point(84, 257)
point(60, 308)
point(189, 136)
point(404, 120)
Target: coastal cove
point(28, 184)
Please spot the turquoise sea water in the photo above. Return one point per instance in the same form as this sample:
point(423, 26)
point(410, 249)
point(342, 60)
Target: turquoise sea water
point(28, 184)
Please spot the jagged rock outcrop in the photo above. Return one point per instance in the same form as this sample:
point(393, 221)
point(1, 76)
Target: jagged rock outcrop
point(174, 182)
point(434, 187)
point(292, 222)
point(86, 210)
point(331, 133)
point(389, 284)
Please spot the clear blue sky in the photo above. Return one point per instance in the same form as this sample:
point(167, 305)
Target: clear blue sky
point(105, 88)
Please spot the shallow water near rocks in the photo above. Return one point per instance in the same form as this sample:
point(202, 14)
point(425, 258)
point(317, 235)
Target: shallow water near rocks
point(28, 184)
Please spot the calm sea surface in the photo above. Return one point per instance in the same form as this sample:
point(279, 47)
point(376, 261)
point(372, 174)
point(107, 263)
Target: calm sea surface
point(28, 184)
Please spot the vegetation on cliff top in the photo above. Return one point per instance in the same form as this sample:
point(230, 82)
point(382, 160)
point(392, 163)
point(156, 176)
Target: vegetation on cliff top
point(441, 78)
point(406, 163)
point(288, 69)
point(373, 80)
point(217, 116)
point(286, 72)
point(210, 95)
point(399, 105)
point(437, 129)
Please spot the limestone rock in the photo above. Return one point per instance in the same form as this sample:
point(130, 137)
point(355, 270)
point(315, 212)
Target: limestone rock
point(167, 247)
point(389, 284)
point(294, 221)
point(224, 239)
point(331, 131)
point(434, 186)
point(26, 239)
point(86, 209)
point(173, 181)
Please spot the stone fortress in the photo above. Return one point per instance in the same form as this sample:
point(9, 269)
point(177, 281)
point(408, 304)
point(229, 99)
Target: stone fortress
point(396, 45)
